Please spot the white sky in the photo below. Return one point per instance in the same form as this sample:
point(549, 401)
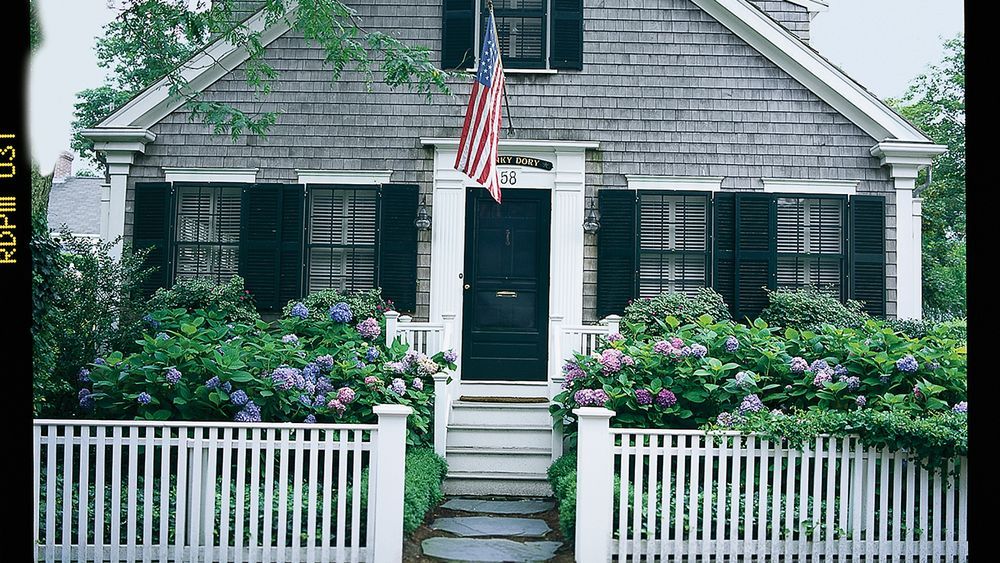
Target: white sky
point(881, 43)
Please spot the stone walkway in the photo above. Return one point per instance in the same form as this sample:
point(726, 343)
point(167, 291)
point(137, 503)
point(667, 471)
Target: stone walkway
point(492, 530)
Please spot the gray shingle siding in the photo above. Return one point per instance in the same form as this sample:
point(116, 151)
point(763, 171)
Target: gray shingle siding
point(788, 14)
point(665, 89)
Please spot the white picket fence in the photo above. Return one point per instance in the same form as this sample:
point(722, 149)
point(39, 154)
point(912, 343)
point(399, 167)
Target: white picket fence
point(217, 491)
point(683, 494)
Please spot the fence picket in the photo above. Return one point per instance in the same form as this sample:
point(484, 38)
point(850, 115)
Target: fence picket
point(682, 461)
point(356, 497)
point(706, 505)
point(241, 493)
point(963, 509)
point(296, 539)
point(623, 498)
point(638, 467)
point(313, 494)
point(116, 491)
point(182, 492)
point(735, 453)
point(817, 495)
point(897, 493)
point(651, 495)
point(844, 498)
point(831, 496)
point(780, 455)
point(341, 495)
point(83, 516)
point(67, 492)
point(227, 460)
point(693, 496)
point(255, 509)
point(949, 512)
point(327, 492)
point(208, 492)
point(147, 495)
point(937, 518)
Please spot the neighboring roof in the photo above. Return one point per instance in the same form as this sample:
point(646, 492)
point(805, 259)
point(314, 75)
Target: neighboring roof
point(76, 202)
point(744, 19)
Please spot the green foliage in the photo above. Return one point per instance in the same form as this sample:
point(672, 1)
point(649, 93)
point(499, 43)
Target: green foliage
point(364, 304)
point(35, 35)
point(151, 39)
point(810, 307)
point(686, 309)
point(213, 358)
point(956, 329)
point(40, 187)
point(843, 365)
point(562, 479)
point(935, 103)
point(231, 299)
point(46, 267)
point(425, 472)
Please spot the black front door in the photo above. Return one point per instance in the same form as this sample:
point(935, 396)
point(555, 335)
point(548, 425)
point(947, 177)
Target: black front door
point(506, 307)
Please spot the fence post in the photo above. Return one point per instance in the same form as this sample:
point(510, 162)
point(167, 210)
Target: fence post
point(391, 318)
point(556, 379)
point(613, 322)
point(594, 482)
point(441, 406)
point(391, 451)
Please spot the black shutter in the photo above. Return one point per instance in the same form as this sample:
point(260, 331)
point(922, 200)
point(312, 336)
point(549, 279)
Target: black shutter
point(567, 35)
point(271, 243)
point(397, 245)
point(724, 248)
point(755, 253)
point(458, 34)
point(152, 218)
point(616, 251)
point(867, 252)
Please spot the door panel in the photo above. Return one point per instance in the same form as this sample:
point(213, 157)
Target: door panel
point(505, 334)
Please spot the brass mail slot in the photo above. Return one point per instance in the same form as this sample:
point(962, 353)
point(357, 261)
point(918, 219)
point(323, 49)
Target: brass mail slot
point(506, 294)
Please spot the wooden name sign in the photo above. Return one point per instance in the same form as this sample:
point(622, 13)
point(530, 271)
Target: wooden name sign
point(524, 161)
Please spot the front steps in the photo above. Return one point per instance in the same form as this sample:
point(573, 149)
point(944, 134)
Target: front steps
point(498, 449)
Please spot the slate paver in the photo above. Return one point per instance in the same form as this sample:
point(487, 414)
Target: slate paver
point(479, 526)
point(479, 549)
point(521, 506)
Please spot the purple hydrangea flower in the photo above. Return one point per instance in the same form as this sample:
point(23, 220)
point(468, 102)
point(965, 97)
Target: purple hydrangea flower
point(725, 419)
point(86, 399)
point(611, 359)
point(666, 398)
point(325, 361)
point(310, 419)
point(662, 347)
point(312, 371)
point(213, 382)
point(372, 380)
point(840, 371)
point(732, 344)
point(451, 356)
point(371, 354)
point(337, 406)
point(100, 362)
point(346, 395)
point(341, 313)
point(284, 377)
point(685, 351)
point(861, 401)
point(917, 392)
point(907, 364)
point(417, 384)
point(305, 400)
point(299, 310)
point(249, 413)
point(884, 379)
point(615, 337)
point(427, 366)
point(676, 342)
point(818, 365)
point(144, 398)
point(798, 365)
point(369, 329)
point(628, 360)
point(319, 401)
point(933, 366)
point(744, 379)
point(751, 403)
point(591, 397)
point(962, 406)
point(151, 322)
point(227, 386)
point(173, 376)
point(643, 397)
point(290, 339)
point(239, 398)
point(698, 351)
point(83, 376)
point(823, 376)
point(398, 386)
point(853, 382)
point(572, 371)
point(395, 367)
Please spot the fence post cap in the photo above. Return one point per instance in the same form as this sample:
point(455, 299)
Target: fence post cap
point(405, 318)
point(392, 410)
point(610, 318)
point(391, 313)
point(440, 376)
point(593, 412)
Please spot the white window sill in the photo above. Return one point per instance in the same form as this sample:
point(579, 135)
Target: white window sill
point(520, 71)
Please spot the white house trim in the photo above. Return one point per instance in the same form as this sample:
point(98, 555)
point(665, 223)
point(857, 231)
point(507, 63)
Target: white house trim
point(346, 177)
point(685, 183)
point(808, 67)
point(812, 5)
point(514, 144)
point(237, 175)
point(806, 186)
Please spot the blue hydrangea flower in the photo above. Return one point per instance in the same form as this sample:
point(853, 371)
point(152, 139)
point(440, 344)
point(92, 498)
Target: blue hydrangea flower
point(144, 398)
point(417, 384)
point(213, 382)
point(853, 382)
point(751, 403)
point(227, 387)
point(323, 385)
point(341, 313)
point(290, 339)
point(744, 379)
point(312, 371)
point(962, 406)
point(151, 322)
point(907, 364)
point(823, 376)
point(284, 377)
point(818, 365)
point(86, 399)
point(325, 361)
point(305, 400)
point(839, 371)
point(398, 386)
point(725, 419)
point(732, 344)
point(798, 365)
point(239, 398)
point(861, 401)
point(249, 413)
point(83, 376)
point(299, 310)
point(395, 367)
point(310, 419)
point(698, 351)
point(319, 401)
point(371, 354)
point(100, 362)
point(451, 356)
point(884, 379)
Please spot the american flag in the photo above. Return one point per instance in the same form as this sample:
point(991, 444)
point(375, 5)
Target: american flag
point(477, 149)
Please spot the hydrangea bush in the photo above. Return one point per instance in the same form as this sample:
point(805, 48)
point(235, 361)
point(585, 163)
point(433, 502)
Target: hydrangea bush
point(198, 366)
point(678, 375)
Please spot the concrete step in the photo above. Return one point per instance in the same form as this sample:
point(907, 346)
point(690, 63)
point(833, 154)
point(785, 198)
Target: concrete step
point(493, 436)
point(500, 414)
point(478, 459)
point(481, 483)
point(504, 388)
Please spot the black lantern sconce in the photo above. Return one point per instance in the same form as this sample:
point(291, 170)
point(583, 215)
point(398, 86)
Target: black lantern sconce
point(423, 220)
point(592, 222)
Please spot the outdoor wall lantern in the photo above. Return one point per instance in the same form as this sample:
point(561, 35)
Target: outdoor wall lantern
point(592, 222)
point(423, 220)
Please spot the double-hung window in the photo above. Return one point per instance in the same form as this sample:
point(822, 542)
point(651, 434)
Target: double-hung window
point(673, 243)
point(810, 243)
point(341, 238)
point(207, 233)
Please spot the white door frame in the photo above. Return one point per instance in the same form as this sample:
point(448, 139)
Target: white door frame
point(566, 181)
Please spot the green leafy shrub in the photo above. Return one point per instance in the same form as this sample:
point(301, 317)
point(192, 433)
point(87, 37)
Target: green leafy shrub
point(956, 329)
point(231, 298)
point(809, 307)
point(49, 392)
point(198, 366)
point(425, 472)
point(648, 310)
point(562, 479)
point(687, 375)
point(364, 304)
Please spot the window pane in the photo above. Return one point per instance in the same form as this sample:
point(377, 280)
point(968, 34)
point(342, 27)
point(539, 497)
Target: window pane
point(670, 272)
point(673, 243)
point(342, 239)
point(207, 232)
point(343, 269)
point(810, 225)
point(823, 272)
point(520, 31)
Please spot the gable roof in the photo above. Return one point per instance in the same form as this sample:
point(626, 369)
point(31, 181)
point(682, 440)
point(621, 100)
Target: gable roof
point(761, 32)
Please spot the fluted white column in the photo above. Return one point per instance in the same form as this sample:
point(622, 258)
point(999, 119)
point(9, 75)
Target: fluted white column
point(448, 247)
point(566, 257)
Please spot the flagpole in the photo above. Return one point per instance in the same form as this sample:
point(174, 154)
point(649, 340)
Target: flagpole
point(506, 100)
